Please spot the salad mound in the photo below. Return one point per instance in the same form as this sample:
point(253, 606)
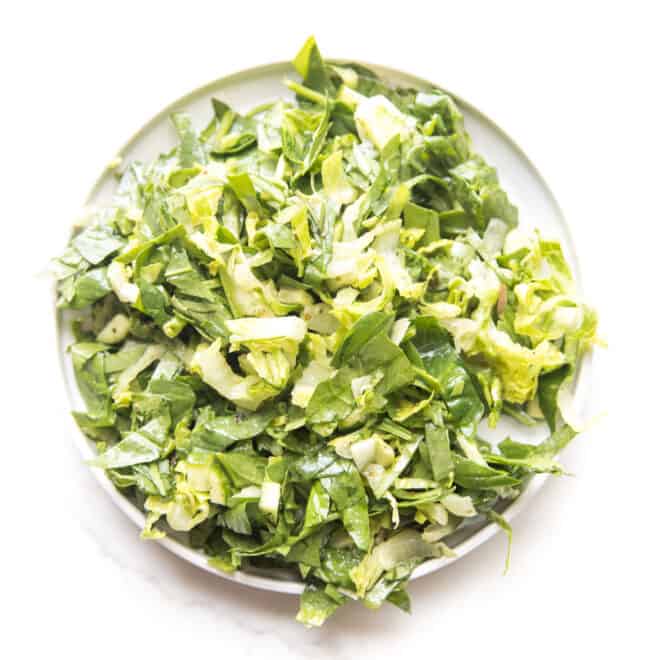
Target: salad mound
point(293, 328)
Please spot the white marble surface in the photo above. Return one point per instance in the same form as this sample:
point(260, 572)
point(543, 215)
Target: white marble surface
point(76, 579)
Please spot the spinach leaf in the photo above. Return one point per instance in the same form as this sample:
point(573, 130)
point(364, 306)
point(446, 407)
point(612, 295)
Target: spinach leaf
point(219, 433)
point(433, 349)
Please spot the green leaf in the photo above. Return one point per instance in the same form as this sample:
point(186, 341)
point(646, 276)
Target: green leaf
point(318, 506)
point(164, 238)
point(89, 287)
point(367, 348)
point(303, 135)
point(177, 393)
point(89, 369)
point(134, 449)
point(549, 385)
point(307, 551)
point(419, 217)
point(435, 352)
point(341, 481)
point(402, 551)
point(536, 458)
point(243, 469)
point(316, 606)
point(359, 335)
point(469, 474)
point(97, 242)
point(309, 64)
point(234, 133)
point(437, 442)
point(153, 300)
point(242, 185)
point(190, 150)
point(219, 433)
point(332, 400)
point(348, 495)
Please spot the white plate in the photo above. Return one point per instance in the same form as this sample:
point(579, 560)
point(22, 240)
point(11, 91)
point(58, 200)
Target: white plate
point(244, 90)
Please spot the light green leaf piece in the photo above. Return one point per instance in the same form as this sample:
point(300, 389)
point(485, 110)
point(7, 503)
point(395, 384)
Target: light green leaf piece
point(404, 548)
point(316, 606)
point(247, 392)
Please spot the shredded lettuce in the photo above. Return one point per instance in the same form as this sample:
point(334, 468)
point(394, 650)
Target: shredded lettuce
point(291, 326)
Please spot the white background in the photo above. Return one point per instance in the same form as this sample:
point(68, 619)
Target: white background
point(577, 87)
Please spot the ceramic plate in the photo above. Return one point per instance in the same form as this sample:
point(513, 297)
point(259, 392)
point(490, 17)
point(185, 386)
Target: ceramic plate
point(244, 90)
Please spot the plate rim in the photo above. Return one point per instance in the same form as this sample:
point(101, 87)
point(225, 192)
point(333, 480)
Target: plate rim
point(263, 582)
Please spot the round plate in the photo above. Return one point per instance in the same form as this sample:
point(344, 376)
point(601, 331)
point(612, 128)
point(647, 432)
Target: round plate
point(252, 87)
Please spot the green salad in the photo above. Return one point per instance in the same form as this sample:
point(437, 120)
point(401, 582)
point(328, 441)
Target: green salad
point(292, 329)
